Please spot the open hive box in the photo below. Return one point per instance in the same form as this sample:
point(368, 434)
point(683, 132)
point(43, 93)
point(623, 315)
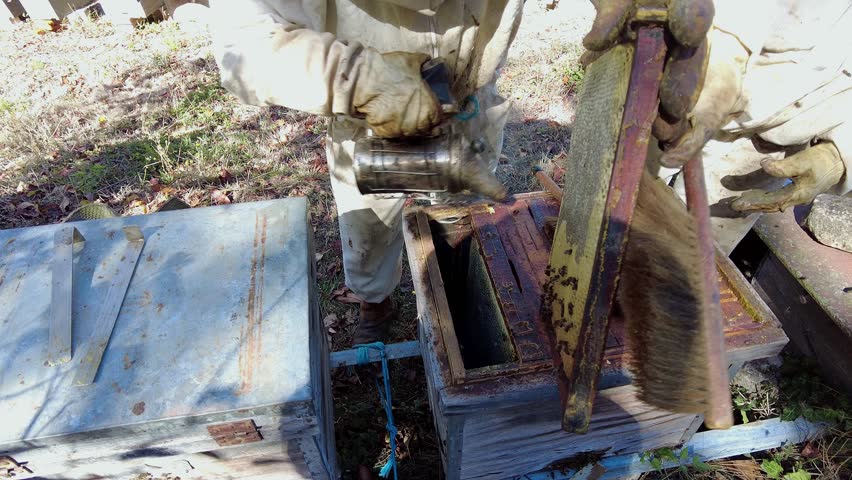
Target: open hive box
point(478, 273)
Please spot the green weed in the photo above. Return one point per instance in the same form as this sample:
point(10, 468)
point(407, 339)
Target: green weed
point(203, 107)
point(664, 458)
point(107, 165)
point(7, 107)
point(804, 394)
point(572, 76)
point(774, 469)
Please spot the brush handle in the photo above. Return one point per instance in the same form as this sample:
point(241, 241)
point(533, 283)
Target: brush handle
point(719, 414)
point(548, 184)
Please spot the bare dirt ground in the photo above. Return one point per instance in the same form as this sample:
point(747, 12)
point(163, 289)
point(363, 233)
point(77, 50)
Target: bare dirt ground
point(132, 119)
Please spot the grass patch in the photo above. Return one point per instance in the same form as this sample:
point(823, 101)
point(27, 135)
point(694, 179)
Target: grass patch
point(7, 107)
point(801, 392)
point(572, 76)
point(106, 165)
point(203, 107)
point(804, 393)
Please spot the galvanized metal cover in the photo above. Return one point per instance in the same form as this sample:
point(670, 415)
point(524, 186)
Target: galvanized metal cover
point(216, 318)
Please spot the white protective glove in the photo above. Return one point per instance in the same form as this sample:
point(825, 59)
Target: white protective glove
point(813, 171)
point(391, 93)
point(686, 60)
point(266, 60)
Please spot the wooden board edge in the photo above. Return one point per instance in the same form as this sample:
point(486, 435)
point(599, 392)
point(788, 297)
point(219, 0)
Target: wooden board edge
point(442, 306)
point(707, 446)
point(426, 276)
point(393, 351)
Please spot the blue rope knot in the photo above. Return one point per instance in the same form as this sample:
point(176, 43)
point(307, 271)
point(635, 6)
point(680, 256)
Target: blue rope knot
point(385, 396)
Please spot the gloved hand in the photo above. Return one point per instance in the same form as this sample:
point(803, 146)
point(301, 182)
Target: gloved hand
point(814, 170)
point(688, 21)
point(685, 130)
point(393, 96)
point(701, 85)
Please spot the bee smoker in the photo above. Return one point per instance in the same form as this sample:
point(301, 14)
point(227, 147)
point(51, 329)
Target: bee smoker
point(422, 164)
point(418, 165)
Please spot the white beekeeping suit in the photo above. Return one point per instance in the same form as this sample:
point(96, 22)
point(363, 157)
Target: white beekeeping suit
point(796, 94)
point(325, 57)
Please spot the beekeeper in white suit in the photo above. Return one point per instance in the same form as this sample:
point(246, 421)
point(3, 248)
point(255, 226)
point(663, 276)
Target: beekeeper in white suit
point(359, 62)
point(778, 76)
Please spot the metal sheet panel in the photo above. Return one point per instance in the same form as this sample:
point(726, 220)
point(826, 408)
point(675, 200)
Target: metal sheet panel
point(216, 318)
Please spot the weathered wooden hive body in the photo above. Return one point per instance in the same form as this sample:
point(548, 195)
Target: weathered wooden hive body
point(478, 273)
point(217, 365)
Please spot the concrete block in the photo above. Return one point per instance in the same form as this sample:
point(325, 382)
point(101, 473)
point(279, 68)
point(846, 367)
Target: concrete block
point(830, 221)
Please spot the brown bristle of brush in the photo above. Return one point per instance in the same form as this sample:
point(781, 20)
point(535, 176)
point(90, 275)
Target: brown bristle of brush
point(660, 292)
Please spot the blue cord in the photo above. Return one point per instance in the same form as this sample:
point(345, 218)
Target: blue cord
point(465, 115)
point(385, 395)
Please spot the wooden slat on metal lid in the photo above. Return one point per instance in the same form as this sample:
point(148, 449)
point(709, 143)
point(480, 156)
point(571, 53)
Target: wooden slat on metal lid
point(66, 241)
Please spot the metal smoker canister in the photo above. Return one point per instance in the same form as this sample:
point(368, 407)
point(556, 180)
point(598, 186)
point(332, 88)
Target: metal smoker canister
point(414, 165)
point(423, 165)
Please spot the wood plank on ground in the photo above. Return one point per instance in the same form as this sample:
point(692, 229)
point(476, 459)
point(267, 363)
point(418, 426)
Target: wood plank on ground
point(709, 445)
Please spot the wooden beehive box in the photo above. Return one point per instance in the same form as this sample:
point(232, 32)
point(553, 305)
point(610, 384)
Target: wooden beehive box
point(478, 273)
point(217, 366)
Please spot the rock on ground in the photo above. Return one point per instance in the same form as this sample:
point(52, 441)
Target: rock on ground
point(830, 221)
point(757, 373)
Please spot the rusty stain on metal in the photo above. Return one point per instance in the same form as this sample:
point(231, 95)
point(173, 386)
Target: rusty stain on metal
point(250, 334)
point(128, 362)
point(824, 272)
point(138, 408)
point(235, 433)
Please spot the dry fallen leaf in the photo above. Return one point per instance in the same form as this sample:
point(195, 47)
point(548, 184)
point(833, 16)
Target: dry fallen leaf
point(27, 209)
point(344, 295)
point(225, 176)
point(220, 198)
point(155, 184)
point(810, 450)
point(63, 205)
point(318, 256)
point(330, 321)
point(137, 207)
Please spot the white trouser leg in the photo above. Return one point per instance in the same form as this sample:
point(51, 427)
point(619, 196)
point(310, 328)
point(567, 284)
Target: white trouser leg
point(370, 226)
